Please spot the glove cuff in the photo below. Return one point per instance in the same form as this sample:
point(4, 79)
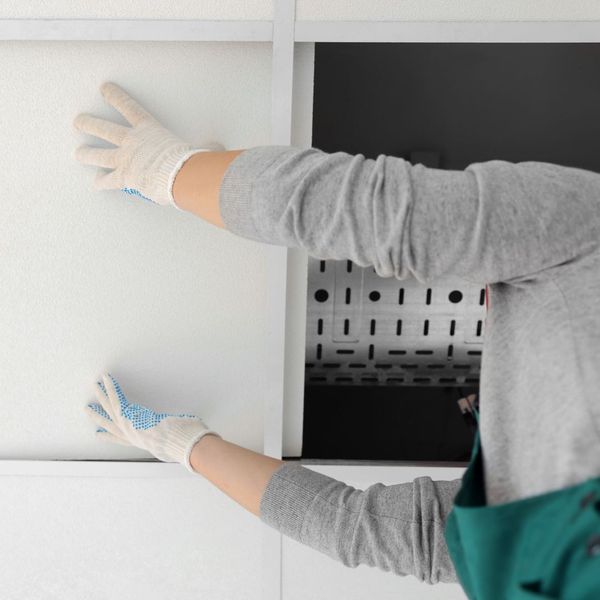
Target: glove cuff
point(181, 437)
point(165, 178)
point(188, 452)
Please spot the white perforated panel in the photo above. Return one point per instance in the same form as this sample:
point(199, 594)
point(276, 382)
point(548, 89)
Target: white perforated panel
point(367, 329)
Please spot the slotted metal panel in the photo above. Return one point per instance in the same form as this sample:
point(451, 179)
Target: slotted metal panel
point(363, 329)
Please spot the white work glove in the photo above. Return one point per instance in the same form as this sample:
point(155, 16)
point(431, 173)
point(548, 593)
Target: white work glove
point(168, 437)
point(148, 156)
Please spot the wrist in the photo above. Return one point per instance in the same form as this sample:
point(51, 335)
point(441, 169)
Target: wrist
point(196, 188)
point(200, 449)
point(171, 167)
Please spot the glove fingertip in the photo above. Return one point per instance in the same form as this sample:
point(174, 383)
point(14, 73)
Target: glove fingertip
point(79, 120)
point(107, 380)
point(96, 408)
point(106, 86)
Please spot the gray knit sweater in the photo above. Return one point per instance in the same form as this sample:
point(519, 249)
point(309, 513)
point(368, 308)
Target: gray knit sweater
point(531, 232)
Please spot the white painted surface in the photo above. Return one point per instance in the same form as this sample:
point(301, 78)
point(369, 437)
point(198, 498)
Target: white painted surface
point(282, 95)
point(80, 527)
point(172, 305)
point(249, 10)
point(120, 539)
point(297, 270)
point(335, 10)
point(177, 537)
point(499, 31)
point(446, 10)
point(92, 281)
point(139, 30)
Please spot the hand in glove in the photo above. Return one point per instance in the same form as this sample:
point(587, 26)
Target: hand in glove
point(147, 157)
point(168, 437)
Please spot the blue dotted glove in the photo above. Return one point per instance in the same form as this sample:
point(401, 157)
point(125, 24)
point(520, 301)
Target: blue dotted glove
point(168, 437)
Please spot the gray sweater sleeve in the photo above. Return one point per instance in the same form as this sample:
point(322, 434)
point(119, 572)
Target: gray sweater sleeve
point(493, 222)
point(398, 528)
point(490, 223)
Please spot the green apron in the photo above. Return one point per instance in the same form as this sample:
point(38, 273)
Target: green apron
point(544, 546)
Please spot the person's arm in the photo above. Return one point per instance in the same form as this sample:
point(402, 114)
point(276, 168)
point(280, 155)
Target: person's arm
point(493, 222)
point(398, 528)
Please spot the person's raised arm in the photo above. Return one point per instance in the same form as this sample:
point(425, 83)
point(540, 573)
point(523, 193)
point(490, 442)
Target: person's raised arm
point(492, 222)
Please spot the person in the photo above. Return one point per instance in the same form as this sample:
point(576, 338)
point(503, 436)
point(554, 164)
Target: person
point(524, 520)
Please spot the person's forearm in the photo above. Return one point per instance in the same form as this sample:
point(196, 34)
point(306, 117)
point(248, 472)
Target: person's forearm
point(196, 186)
point(241, 473)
